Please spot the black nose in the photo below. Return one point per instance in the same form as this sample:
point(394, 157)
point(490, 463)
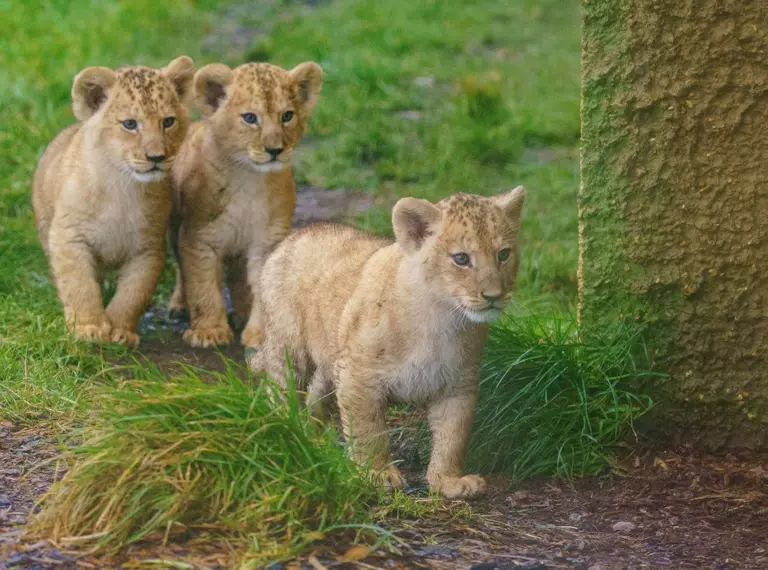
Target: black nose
point(157, 159)
point(492, 298)
point(274, 151)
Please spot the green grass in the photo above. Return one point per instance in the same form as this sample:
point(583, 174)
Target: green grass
point(43, 375)
point(225, 459)
point(497, 86)
point(552, 403)
point(491, 91)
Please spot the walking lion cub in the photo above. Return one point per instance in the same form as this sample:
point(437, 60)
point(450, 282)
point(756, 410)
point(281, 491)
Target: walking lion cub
point(102, 197)
point(378, 321)
point(234, 190)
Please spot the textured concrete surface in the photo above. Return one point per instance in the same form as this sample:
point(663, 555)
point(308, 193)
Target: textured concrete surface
point(674, 201)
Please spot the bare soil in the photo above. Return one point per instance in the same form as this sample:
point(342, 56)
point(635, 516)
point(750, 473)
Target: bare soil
point(656, 509)
point(668, 509)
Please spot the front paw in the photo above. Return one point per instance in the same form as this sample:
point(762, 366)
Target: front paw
point(466, 487)
point(208, 337)
point(252, 336)
point(125, 337)
point(390, 478)
point(99, 332)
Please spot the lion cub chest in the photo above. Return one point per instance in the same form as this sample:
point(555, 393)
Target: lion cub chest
point(121, 227)
point(430, 365)
point(242, 224)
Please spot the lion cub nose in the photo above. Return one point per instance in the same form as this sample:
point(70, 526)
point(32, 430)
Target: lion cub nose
point(491, 297)
point(274, 151)
point(156, 158)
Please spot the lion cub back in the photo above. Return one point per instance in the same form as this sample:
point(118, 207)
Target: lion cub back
point(307, 281)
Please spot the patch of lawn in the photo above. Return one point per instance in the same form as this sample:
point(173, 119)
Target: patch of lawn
point(231, 461)
point(429, 98)
point(420, 98)
point(43, 375)
point(552, 403)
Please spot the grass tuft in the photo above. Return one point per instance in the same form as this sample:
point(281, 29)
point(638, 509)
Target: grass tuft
point(170, 459)
point(552, 403)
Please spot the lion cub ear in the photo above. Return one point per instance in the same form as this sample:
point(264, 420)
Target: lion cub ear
point(414, 220)
point(309, 77)
point(212, 87)
point(511, 203)
point(89, 90)
point(180, 72)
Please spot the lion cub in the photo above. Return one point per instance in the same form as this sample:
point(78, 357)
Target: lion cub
point(234, 190)
point(405, 321)
point(102, 197)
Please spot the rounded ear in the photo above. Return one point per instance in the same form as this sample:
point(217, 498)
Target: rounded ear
point(180, 72)
point(414, 220)
point(212, 84)
point(309, 77)
point(89, 90)
point(512, 203)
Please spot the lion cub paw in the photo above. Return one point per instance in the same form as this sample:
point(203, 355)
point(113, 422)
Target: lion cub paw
point(391, 478)
point(465, 487)
point(100, 332)
point(252, 336)
point(208, 337)
point(125, 337)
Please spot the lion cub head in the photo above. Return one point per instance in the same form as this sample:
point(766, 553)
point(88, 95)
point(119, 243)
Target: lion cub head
point(258, 112)
point(135, 116)
point(464, 248)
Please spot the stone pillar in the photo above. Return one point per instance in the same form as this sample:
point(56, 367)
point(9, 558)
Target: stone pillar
point(673, 206)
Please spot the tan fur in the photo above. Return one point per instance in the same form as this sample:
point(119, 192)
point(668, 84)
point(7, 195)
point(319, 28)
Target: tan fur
point(99, 202)
point(234, 202)
point(381, 321)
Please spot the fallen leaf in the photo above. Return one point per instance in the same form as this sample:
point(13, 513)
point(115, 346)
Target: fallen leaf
point(357, 553)
point(624, 526)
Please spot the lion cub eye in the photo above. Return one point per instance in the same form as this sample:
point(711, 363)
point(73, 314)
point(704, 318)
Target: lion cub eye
point(287, 116)
point(250, 118)
point(503, 255)
point(461, 259)
point(130, 124)
point(168, 122)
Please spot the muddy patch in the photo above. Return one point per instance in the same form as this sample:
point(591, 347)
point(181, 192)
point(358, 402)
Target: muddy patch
point(323, 205)
point(659, 510)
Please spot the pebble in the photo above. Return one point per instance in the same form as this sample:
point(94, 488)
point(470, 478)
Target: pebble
point(623, 526)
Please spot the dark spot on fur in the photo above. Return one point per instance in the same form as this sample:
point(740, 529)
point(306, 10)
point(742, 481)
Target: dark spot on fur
point(418, 229)
point(95, 97)
point(304, 91)
point(214, 93)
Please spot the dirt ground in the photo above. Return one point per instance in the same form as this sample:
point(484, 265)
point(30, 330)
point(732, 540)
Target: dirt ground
point(666, 509)
point(656, 509)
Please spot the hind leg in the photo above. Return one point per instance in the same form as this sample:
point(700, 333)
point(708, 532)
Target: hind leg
point(271, 358)
point(177, 306)
point(319, 395)
point(237, 280)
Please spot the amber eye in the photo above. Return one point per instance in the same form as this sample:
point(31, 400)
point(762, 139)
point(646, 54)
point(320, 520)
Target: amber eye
point(287, 116)
point(168, 122)
point(503, 255)
point(130, 124)
point(461, 259)
point(250, 118)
